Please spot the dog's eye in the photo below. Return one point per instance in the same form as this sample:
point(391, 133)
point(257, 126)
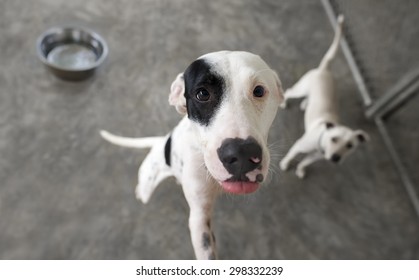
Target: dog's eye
point(349, 145)
point(203, 95)
point(259, 91)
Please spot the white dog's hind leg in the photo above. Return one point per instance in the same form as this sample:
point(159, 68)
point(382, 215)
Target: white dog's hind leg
point(152, 171)
point(309, 159)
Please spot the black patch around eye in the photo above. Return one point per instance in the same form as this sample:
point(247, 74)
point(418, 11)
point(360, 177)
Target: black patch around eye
point(198, 76)
point(259, 91)
point(349, 145)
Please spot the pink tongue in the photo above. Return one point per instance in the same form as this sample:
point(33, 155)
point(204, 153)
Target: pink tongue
point(239, 187)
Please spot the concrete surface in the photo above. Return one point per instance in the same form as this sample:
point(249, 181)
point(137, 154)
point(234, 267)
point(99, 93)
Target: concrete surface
point(67, 194)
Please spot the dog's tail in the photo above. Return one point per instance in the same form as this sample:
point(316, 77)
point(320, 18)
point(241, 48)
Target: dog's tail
point(331, 52)
point(139, 143)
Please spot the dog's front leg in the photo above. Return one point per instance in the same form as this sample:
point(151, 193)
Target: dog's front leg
point(309, 159)
point(200, 192)
point(200, 215)
point(203, 239)
point(303, 104)
point(302, 145)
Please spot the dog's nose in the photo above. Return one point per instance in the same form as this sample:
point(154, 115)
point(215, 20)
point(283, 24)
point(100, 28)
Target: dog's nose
point(240, 156)
point(335, 158)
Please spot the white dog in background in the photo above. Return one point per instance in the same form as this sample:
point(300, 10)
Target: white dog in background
point(324, 137)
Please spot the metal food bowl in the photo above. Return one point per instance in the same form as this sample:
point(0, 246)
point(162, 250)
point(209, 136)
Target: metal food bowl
point(71, 53)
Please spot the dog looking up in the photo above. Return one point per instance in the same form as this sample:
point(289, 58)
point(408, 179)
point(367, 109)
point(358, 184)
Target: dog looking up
point(324, 137)
point(230, 100)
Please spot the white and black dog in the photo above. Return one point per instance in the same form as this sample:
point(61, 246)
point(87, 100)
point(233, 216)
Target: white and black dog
point(230, 100)
point(324, 137)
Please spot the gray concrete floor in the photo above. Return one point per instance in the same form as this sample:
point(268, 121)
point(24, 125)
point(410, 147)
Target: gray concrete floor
point(66, 194)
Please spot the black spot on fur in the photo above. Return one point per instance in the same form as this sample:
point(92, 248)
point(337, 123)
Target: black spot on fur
point(200, 76)
point(167, 150)
point(206, 241)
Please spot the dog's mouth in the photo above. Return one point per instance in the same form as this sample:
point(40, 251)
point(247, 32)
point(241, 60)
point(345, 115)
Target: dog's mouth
point(240, 187)
point(243, 184)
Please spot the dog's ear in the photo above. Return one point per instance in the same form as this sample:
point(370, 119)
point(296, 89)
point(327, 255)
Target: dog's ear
point(177, 94)
point(362, 136)
point(278, 85)
point(329, 125)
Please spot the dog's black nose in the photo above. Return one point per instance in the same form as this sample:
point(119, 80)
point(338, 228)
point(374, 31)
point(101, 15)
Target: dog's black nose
point(240, 156)
point(335, 158)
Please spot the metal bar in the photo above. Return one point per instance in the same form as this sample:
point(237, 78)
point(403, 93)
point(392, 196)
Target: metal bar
point(366, 97)
point(398, 101)
point(399, 165)
point(399, 87)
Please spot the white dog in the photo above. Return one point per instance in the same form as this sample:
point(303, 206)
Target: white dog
point(230, 100)
point(324, 137)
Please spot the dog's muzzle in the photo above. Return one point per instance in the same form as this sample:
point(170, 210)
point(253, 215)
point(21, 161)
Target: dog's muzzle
point(240, 156)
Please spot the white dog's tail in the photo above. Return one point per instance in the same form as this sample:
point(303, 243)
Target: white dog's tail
point(331, 52)
point(139, 143)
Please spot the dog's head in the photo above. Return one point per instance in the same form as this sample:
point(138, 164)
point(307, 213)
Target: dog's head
point(233, 98)
point(337, 141)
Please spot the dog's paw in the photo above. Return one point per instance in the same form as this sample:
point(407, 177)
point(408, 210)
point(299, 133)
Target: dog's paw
point(284, 165)
point(283, 104)
point(301, 173)
point(303, 104)
point(141, 195)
